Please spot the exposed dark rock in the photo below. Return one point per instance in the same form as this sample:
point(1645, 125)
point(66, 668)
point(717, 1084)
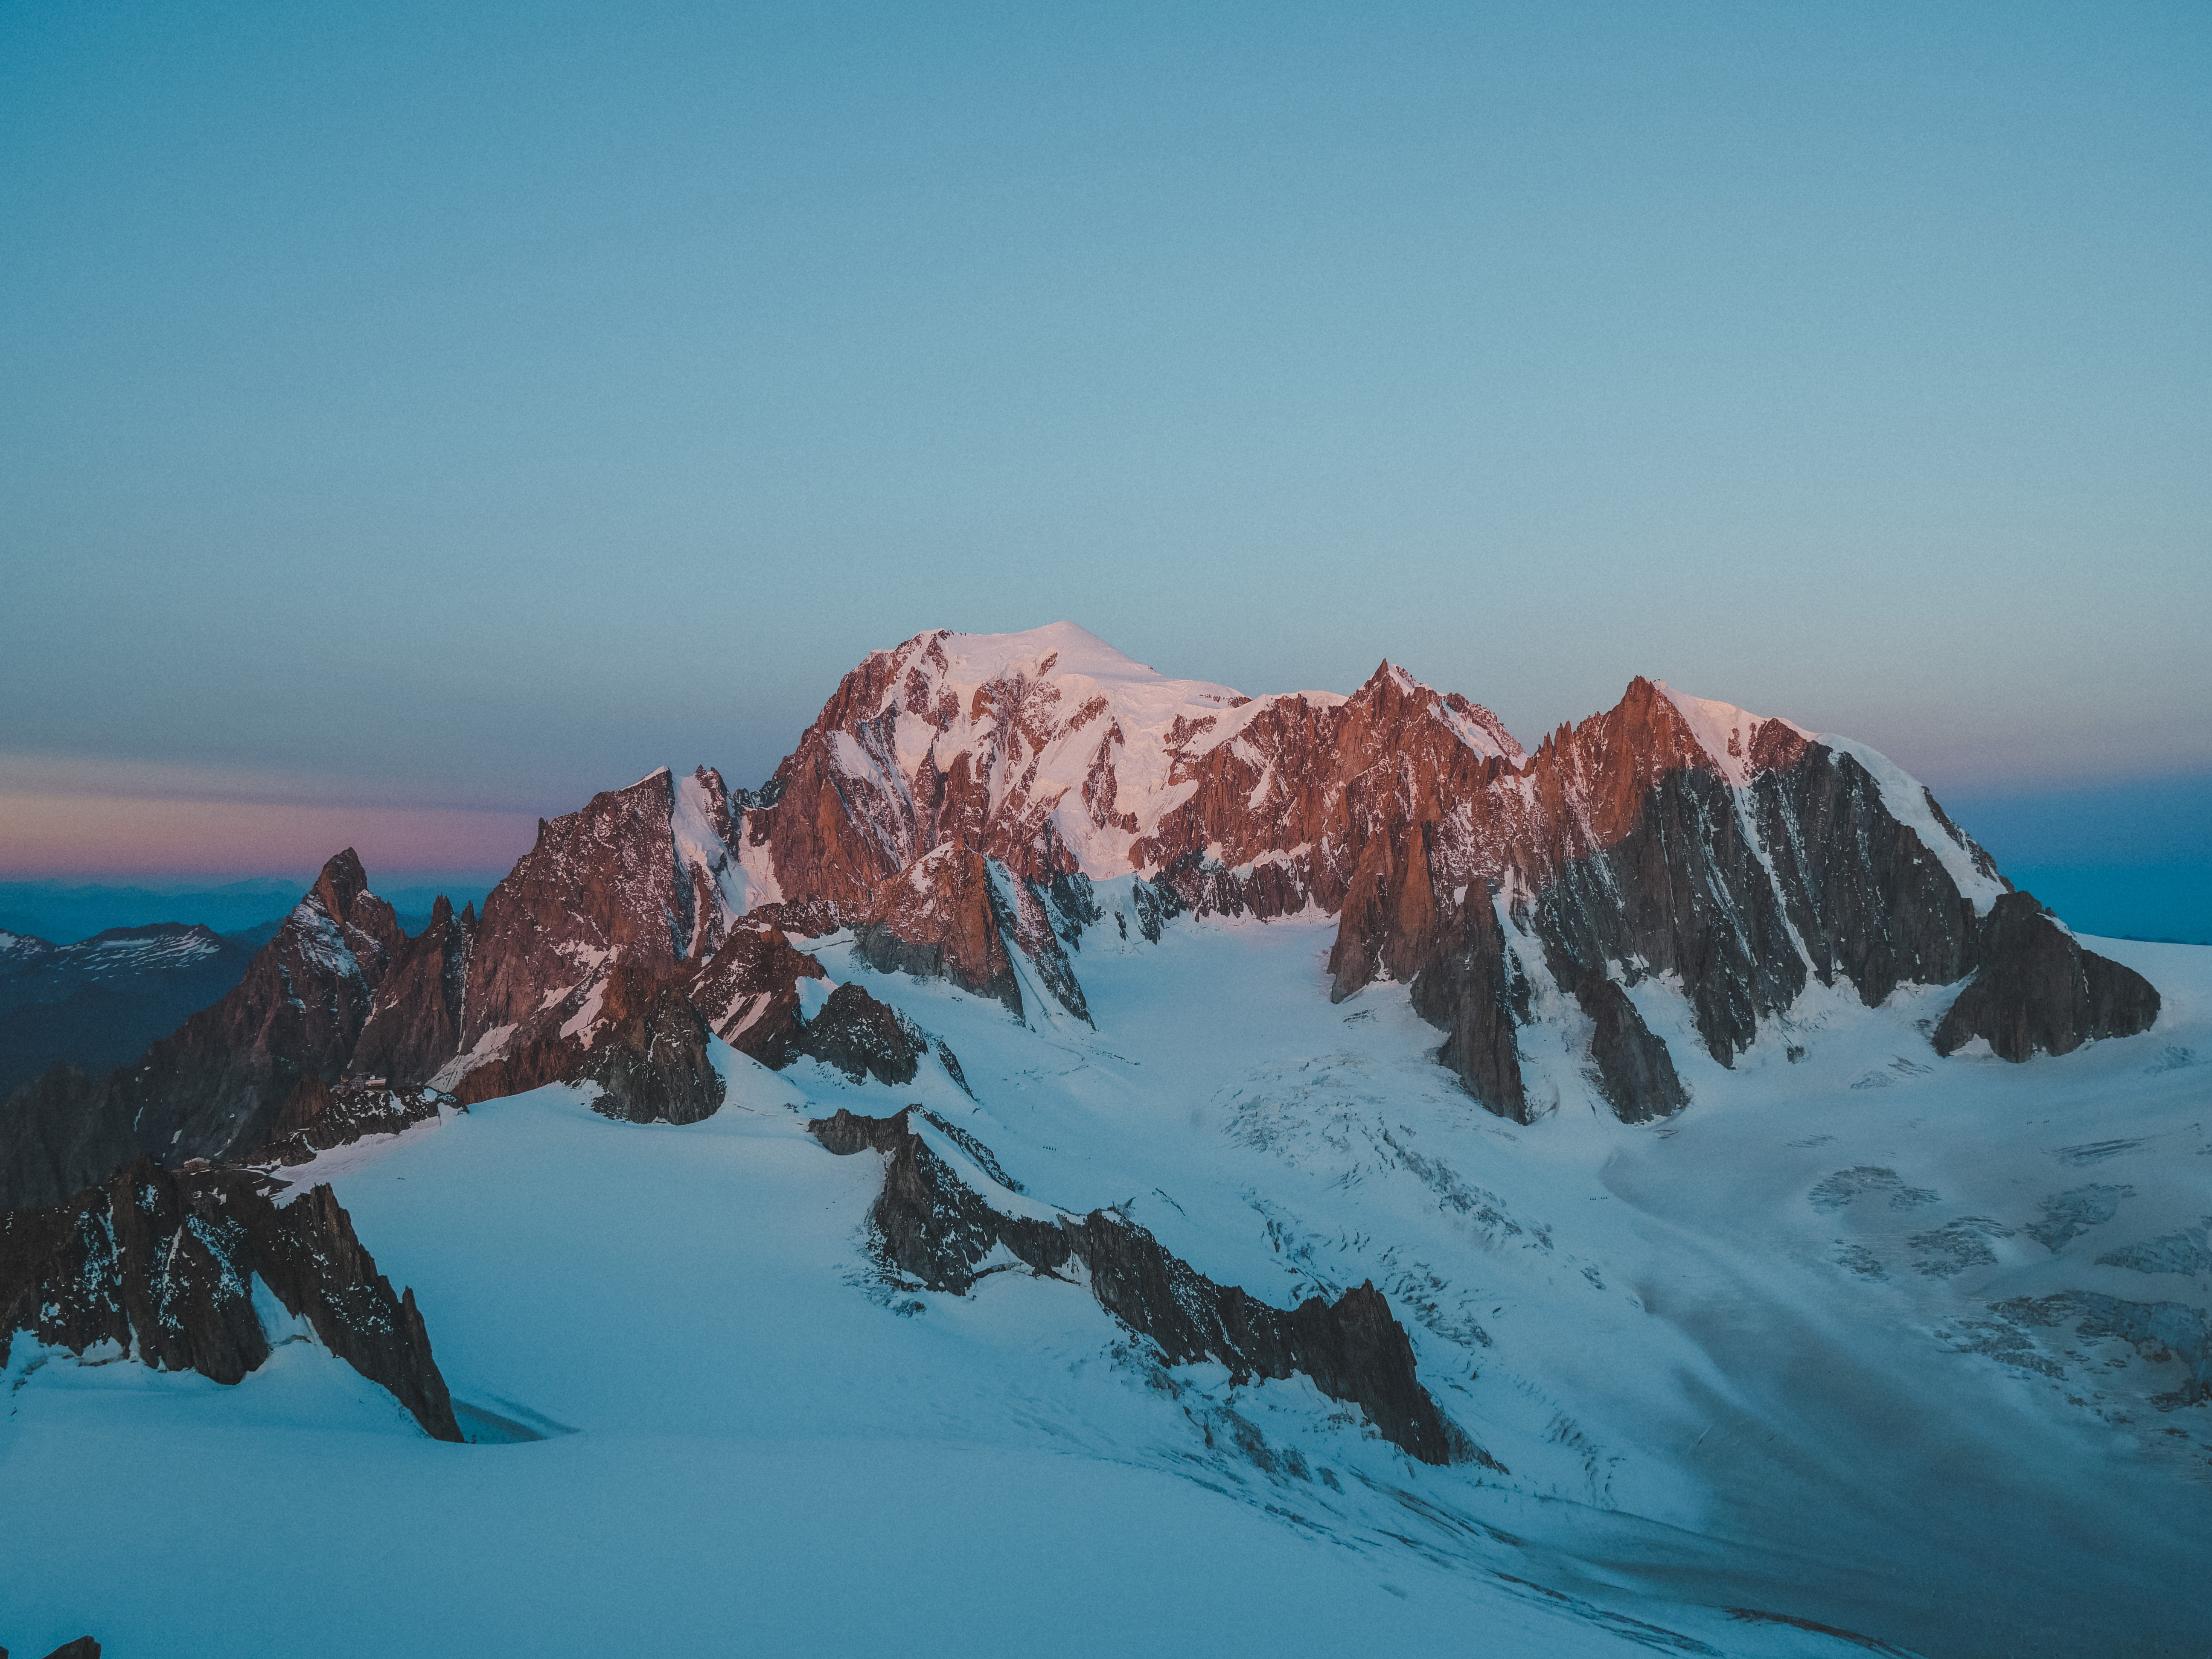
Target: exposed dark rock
point(2037, 988)
point(849, 1131)
point(1867, 898)
point(863, 1038)
point(753, 800)
point(578, 970)
point(83, 1648)
point(648, 1053)
point(414, 1023)
point(1156, 904)
point(1284, 816)
point(804, 917)
point(1037, 927)
point(1683, 891)
point(1070, 891)
point(951, 1061)
point(941, 918)
point(163, 1265)
point(1636, 1074)
point(1389, 923)
point(317, 1116)
point(954, 915)
point(749, 992)
point(214, 1088)
point(647, 1050)
point(523, 1066)
point(603, 886)
point(1627, 848)
point(1468, 991)
point(985, 1158)
point(931, 1227)
point(60, 1130)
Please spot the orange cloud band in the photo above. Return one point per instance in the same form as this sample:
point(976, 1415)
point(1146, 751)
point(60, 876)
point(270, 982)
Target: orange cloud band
point(47, 834)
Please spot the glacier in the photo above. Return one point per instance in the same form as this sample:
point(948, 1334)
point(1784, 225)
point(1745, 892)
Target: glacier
point(1804, 1355)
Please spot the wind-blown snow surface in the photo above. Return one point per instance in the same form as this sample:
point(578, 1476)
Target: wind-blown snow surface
point(1805, 1349)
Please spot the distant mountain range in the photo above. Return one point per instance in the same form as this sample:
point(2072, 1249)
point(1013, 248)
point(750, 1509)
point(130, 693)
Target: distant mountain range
point(65, 915)
point(97, 1002)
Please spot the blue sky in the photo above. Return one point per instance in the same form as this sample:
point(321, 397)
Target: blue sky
point(451, 411)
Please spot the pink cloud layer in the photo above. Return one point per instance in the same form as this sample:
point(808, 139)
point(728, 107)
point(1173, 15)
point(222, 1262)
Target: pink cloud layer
point(93, 836)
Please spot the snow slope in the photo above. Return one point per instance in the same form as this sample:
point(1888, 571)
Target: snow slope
point(1757, 1358)
point(1032, 711)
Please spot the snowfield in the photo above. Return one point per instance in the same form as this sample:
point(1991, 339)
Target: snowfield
point(1864, 1337)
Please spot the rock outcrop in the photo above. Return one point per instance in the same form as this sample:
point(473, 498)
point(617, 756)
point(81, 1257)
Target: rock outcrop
point(953, 913)
point(1635, 1072)
point(1736, 856)
point(1389, 926)
point(648, 1052)
point(413, 1023)
point(935, 1229)
point(748, 991)
point(163, 1265)
point(942, 918)
point(1470, 989)
point(2035, 988)
point(643, 877)
point(862, 1038)
point(638, 1039)
point(317, 1116)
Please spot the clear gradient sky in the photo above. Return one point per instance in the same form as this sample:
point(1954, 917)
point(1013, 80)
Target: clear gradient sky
point(414, 418)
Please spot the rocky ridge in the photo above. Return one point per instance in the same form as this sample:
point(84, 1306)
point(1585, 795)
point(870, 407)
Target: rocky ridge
point(162, 1266)
point(1737, 857)
point(969, 806)
point(217, 1087)
point(934, 1228)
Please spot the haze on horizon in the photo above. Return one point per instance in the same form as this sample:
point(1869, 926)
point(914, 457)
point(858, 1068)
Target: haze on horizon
point(416, 423)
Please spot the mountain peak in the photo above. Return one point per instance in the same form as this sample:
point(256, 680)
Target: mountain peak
point(341, 881)
point(1725, 733)
point(1056, 650)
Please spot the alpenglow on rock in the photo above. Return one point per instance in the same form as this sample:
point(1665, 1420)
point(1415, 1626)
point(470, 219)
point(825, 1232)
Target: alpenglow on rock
point(969, 806)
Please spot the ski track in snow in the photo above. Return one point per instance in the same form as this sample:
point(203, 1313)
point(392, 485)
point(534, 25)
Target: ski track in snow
point(1820, 1345)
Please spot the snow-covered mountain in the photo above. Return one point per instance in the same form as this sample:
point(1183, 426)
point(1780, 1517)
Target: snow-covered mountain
point(1306, 1156)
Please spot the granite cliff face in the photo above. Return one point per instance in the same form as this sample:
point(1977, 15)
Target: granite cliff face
point(954, 913)
point(413, 1023)
point(162, 1266)
point(748, 991)
point(1736, 857)
point(579, 968)
point(2037, 988)
point(645, 876)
